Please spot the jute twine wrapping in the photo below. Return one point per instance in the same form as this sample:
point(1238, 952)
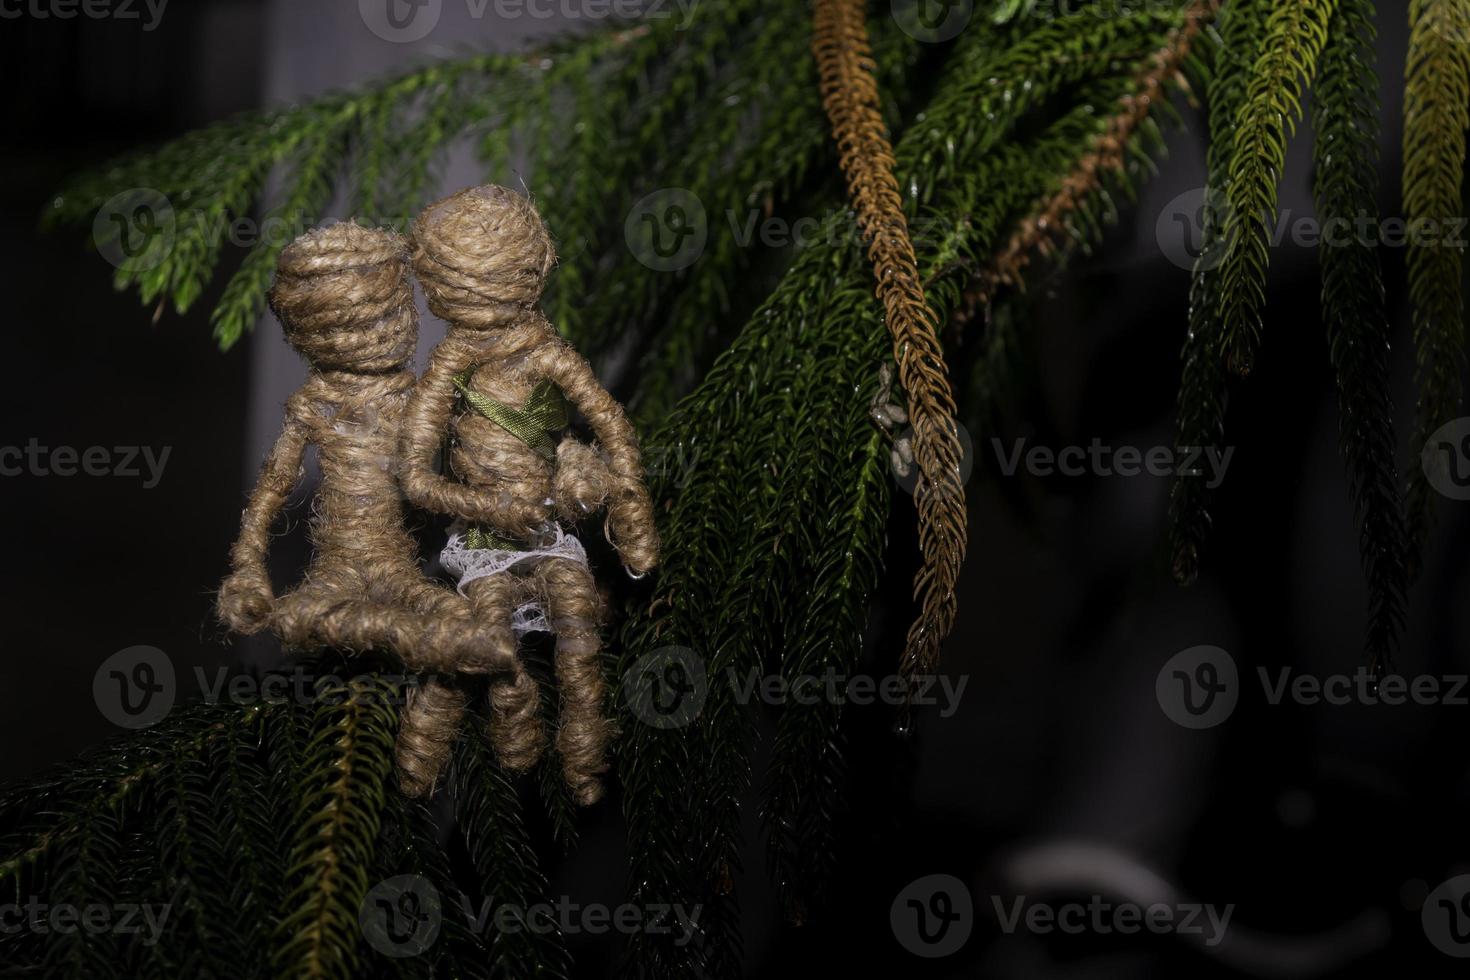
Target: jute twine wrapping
point(345, 302)
point(850, 94)
point(482, 257)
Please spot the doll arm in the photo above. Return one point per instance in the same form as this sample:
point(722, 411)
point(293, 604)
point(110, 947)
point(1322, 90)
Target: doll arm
point(246, 597)
point(630, 524)
point(424, 426)
point(580, 483)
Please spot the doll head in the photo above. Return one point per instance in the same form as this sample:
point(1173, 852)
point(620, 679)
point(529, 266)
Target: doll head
point(344, 299)
point(482, 256)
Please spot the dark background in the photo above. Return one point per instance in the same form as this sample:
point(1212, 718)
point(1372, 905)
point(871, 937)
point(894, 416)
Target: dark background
point(1325, 826)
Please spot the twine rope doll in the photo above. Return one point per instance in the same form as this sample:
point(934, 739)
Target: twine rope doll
point(345, 302)
point(482, 257)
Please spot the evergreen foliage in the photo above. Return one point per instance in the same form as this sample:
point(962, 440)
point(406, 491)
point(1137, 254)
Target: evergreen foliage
point(1200, 420)
point(1293, 37)
point(1353, 307)
point(751, 372)
point(1436, 116)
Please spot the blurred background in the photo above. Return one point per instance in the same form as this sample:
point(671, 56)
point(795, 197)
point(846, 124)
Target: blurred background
point(1058, 775)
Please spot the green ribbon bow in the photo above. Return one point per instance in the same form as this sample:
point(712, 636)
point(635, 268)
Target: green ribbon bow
point(545, 412)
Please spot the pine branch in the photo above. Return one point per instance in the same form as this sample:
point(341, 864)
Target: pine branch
point(252, 871)
point(1354, 308)
point(84, 875)
point(1436, 115)
point(1200, 417)
point(200, 939)
point(733, 503)
point(183, 198)
point(605, 162)
point(992, 83)
point(850, 95)
point(313, 177)
point(759, 175)
point(802, 795)
point(489, 818)
point(348, 773)
point(411, 844)
point(1295, 33)
point(1107, 156)
point(807, 765)
point(41, 817)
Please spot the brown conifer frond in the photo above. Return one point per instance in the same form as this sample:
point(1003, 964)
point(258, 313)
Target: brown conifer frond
point(1039, 232)
point(850, 95)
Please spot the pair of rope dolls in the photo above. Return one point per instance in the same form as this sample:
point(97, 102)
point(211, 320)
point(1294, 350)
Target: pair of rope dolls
point(494, 395)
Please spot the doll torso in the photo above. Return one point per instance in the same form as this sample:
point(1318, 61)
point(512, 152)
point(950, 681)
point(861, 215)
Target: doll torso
point(485, 454)
point(358, 508)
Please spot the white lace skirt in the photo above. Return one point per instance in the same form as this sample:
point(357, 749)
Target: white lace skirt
point(470, 564)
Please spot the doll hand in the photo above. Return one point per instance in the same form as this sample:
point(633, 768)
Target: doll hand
point(636, 569)
point(630, 529)
point(580, 484)
point(246, 600)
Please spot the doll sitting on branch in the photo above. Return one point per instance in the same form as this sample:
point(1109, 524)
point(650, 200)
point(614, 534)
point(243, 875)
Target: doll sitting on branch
point(501, 387)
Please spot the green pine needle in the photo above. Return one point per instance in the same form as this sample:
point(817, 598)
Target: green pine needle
point(1295, 33)
point(1436, 115)
point(1354, 309)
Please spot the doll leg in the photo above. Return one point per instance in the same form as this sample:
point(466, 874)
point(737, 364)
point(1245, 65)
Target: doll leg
point(515, 700)
point(317, 616)
point(574, 609)
point(455, 638)
point(431, 720)
point(427, 730)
